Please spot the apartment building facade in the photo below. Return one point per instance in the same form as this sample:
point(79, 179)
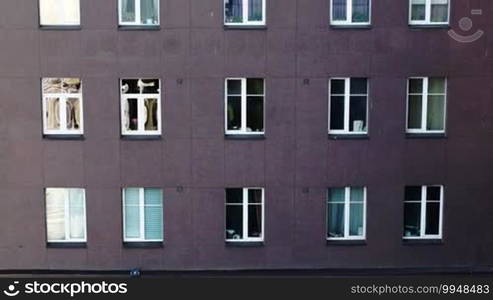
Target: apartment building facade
point(180, 135)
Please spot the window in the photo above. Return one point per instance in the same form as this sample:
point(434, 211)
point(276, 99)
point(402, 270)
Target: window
point(65, 215)
point(245, 106)
point(348, 106)
point(423, 207)
point(139, 12)
point(426, 105)
point(141, 106)
point(244, 214)
point(59, 12)
point(62, 106)
point(142, 215)
point(350, 12)
point(346, 213)
point(429, 12)
point(244, 12)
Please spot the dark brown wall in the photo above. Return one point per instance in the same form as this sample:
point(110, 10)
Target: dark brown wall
point(192, 45)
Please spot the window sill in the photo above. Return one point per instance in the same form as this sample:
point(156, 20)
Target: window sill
point(140, 137)
point(411, 242)
point(68, 245)
point(143, 245)
point(244, 244)
point(245, 27)
point(363, 136)
point(63, 136)
point(346, 242)
point(429, 26)
point(60, 27)
point(426, 135)
point(139, 27)
point(244, 136)
point(351, 26)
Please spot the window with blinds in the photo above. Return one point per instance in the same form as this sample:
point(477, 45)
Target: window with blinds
point(143, 215)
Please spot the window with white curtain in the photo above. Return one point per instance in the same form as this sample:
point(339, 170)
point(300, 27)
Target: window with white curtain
point(142, 215)
point(350, 12)
point(244, 12)
point(348, 106)
point(244, 214)
point(429, 12)
point(65, 215)
point(245, 106)
point(141, 106)
point(138, 12)
point(59, 12)
point(426, 105)
point(423, 210)
point(62, 106)
point(346, 213)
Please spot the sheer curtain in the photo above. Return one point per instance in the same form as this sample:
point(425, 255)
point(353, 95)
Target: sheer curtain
point(361, 11)
point(234, 11)
point(356, 209)
point(439, 10)
point(55, 214)
point(149, 11)
point(255, 10)
point(339, 10)
point(335, 213)
point(77, 215)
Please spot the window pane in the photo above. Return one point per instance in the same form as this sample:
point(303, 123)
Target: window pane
point(131, 115)
point(132, 213)
point(131, 196)
point(153, 197)
point(255, 221)
point(53, 113)
point(418, 10)
point(234, 11)
point(52, 85)
point(337, 195)
point(415, 112)
point(357, 195)
point(432, 218)
point(55, 214)
point(149, 12)
point(148, 86)
point(356, 219)
point(339, 10)
point(439, 10)
point(255, 86)
point(433, 193)
point(255, 114)
point(412, 219)
point(361, 11)
point(436, 86)
point(359, 86)
point(234, 113)
point(413, 193)
point(153, 214)
point(357, 114)
point(129, 86)
point(71, 85)
point(234, 87)
point(128, 10)
point(336, 220)
point(151, 117)
point(234, 195)
point(255, 10)
point(254, 196)
point(234, 222)
point(415, 86)
point(337, 87)
point(59, 12)
point(73, 113)
point(337, 112)
point(77, 220)
point(436, 113)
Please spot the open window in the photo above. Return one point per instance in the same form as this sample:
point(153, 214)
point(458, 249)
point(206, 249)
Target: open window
point(423, 212)
point(346, 213)
point(244, 12)
point(62, 106)
point(426, 105)
point(348, 106)
point(141, 107)
point(244, 214)
point(138, 12)
point(59, 12)
point(429, 12)
point(350, 12)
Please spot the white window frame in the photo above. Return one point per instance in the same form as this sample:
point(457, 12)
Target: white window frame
point(245, 10)
point(67, 219)
point(137, 21)
point(347, 207)
point(140, 108)
point(245, 205)
point(424, 202)
point(59, 24)
point(427, 20)
point(349, 15)
point(424, 107)
point(141, 219)
point(244, 99)
point(347, 105)
point(63, 111)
